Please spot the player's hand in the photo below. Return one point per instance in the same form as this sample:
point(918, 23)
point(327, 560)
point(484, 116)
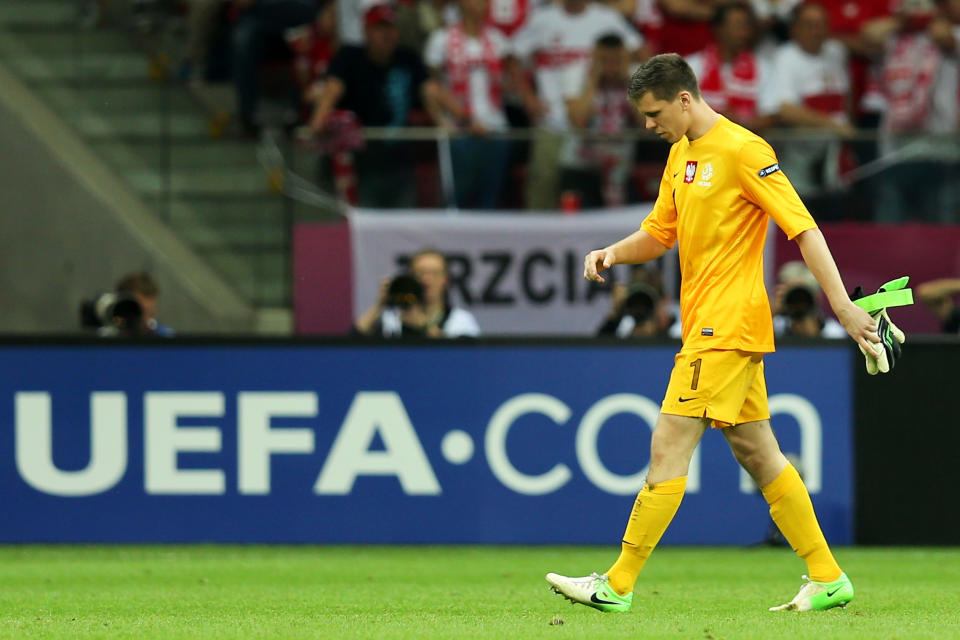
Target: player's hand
point(861, 327)
point(597, 261)
point(884, 350)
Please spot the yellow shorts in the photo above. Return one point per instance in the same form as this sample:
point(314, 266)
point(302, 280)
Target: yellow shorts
point(727, 387)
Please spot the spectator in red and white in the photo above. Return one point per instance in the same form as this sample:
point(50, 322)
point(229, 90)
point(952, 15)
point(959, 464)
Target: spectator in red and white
point(596, 169)
point(468, 58)
point(945, 31)
point(646, 16)
point(811, 90)
point(648, 19)
point(920, 89)
point(314, 45)
point(686, 25)
point(558, 41)
point(510, 16)
point(864, 27)
point(731, 74)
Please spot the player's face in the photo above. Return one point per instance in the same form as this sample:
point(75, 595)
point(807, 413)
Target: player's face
point(431, 270)
point(669, 119)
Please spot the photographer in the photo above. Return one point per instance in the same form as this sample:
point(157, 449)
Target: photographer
point(416, 304)
point(130, 310)
point(796, 305)
point(639, 309)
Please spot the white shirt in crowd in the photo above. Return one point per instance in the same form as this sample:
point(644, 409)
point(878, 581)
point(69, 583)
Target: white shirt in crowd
point(820, 81)
point(490, 115)
point(559, 44)
point(460, 323)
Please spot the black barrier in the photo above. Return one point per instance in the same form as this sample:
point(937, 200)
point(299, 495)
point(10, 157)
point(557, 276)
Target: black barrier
point(906, 441)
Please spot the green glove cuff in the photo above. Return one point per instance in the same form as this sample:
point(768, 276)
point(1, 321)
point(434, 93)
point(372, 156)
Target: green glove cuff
point(891, 294)
point(877, 301)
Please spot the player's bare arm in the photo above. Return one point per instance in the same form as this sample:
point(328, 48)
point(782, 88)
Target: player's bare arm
point(858, 323)
point(638, 247)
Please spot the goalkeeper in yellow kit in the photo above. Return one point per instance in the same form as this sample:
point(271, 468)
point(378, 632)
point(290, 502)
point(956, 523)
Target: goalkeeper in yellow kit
point(720, 185)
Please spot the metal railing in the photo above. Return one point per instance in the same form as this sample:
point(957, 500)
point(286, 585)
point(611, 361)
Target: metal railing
point(867, 176)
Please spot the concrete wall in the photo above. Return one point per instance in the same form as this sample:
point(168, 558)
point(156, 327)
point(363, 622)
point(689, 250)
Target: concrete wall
point(70, 229)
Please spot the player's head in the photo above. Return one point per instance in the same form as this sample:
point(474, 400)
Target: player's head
point(429, 266)
point(664, 90)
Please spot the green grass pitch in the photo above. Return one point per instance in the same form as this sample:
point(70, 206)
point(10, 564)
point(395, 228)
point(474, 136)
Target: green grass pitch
point(210, 592)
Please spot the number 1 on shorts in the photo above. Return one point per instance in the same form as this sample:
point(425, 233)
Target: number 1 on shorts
point(696, 373)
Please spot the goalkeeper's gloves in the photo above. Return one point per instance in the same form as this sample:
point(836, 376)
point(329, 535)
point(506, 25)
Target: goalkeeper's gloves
point(885, 353)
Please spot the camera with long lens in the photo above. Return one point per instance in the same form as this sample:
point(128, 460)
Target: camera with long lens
point(641, 302)
point(799, 302)
point(404, 292)
point(112, 314)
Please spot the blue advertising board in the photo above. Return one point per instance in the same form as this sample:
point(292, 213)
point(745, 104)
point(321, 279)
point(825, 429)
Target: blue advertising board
point(478, 443)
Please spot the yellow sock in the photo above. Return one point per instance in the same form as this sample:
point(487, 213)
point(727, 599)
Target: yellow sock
point(652, 512)
point(792, 510)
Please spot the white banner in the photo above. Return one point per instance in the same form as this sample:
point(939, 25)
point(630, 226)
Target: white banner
point(519, 274)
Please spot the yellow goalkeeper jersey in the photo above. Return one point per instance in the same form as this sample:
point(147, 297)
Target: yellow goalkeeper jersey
point(714, 199)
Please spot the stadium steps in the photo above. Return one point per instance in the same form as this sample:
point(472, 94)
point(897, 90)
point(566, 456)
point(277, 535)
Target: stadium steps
point(159, 138)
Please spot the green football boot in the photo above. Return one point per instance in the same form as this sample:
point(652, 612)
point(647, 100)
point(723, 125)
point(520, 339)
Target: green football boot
point(819, 596)
point(593, 590)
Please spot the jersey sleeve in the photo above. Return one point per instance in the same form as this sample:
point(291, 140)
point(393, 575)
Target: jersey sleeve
point(662, 221)
point(765, 185)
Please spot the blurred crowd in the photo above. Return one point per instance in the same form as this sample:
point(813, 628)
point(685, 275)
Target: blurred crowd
point(870, 88)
